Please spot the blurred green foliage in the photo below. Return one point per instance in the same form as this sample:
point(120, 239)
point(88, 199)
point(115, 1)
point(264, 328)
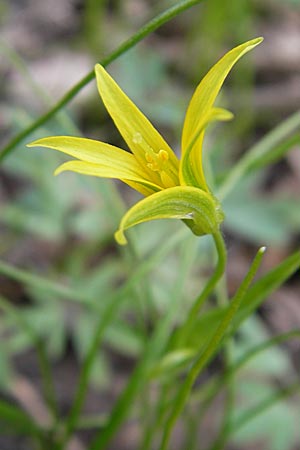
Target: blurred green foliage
point(66, 224)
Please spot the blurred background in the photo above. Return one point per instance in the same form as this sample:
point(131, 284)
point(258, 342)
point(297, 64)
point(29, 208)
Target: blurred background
point(61, 229)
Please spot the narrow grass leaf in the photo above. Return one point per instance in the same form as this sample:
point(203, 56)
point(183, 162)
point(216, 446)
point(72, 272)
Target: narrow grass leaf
point(16, 421)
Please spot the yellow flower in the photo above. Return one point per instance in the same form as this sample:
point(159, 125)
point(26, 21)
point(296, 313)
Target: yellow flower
point(173, 188)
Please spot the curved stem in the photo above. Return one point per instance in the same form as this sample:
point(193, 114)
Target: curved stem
point(148, 28)
point(219, 442)
point(209, 287)
point(218, 272)
point(205, 356)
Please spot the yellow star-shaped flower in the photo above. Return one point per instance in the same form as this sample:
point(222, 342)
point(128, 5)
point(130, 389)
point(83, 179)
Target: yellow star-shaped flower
point(173, 188)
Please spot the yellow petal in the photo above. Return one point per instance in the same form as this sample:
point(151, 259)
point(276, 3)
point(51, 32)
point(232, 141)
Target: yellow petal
point(140, 187)
point(198, 208)
point(138, 132)
point(202, 102)
point(99, 159)
point(208, 89)
point(191, 170)
point(103, 171)
point(91, 151)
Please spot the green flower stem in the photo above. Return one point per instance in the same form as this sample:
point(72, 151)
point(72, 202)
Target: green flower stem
point(148, 28)
point(228, 408)
point(157, 420)
point(93, 16)
point(263, 152)
point(212, 347)
point(265, 286)
point(45, 369)
point(18, 421)
point(209, 287)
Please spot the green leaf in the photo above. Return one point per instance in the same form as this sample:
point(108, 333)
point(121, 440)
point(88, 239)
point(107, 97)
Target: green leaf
point(172, 362)
point(208, 322)
point(15, 420)
point(265, 286)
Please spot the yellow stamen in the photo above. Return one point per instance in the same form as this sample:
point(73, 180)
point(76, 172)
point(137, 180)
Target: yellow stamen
point(157, 161)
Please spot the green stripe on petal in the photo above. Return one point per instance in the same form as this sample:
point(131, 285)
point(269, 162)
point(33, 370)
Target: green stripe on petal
point(138, 132)
point(99, 170)
point(199, 209)
point(145, 191)
point(99, 159)
point(209, 87)
point(92, 151)
point(191, 169)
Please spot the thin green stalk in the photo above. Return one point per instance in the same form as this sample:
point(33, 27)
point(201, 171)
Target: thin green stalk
point(45, 369)
point(228, 408)
point(216, 276)
point(264, 405)
point(148, 28)
point(243, 360)
point(191, 434)
point(204, 357)
point(160, 409)
point(267, 284)
point(218, 384)
point(14, 418)
point(260, 152)
point(93, 20)
point(208, 289)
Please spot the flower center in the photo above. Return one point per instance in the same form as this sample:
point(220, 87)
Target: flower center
point(156, 161)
